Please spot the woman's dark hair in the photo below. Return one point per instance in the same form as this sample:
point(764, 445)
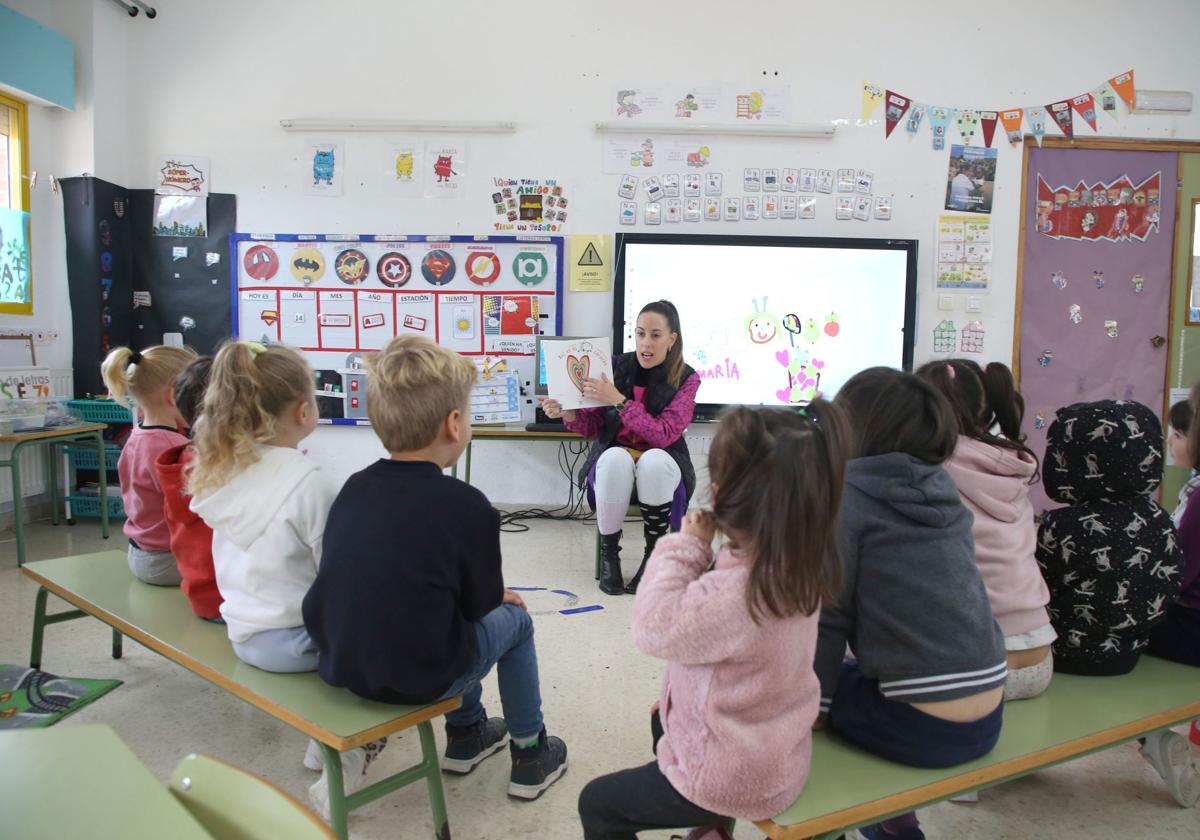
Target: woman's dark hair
point(893, 411)
point(1180, 417)
point(1193, 434)
point(982, 398)
point(674, 360)
point(777, 488)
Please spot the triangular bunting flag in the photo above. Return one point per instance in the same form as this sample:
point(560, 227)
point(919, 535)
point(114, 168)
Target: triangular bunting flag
point(1036, 115)
point(894, 110)
point(1085, 106)
point(939, 121)
point(1012, 124)
point(1123, 85)
point(1061, 112)
point(872, 95)
point(987, 119)
point(967, 121)
point(1106, 101)
point(916, 114)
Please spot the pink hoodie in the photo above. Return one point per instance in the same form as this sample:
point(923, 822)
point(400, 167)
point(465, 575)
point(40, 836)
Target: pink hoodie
point(994, 485)
point(739, 698)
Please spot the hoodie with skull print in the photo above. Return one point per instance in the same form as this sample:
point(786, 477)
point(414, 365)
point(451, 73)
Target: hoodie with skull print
point(1111, 559)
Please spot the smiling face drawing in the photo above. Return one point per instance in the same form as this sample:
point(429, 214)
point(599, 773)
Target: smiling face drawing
point(762, 329)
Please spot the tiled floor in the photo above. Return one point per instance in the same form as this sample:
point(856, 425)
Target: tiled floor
point(596, 691)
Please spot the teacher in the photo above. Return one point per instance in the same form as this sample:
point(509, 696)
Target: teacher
point(638, 438)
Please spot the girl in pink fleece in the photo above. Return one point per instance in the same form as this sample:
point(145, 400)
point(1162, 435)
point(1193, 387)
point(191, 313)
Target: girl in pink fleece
point(993, 473)
point(738, 631)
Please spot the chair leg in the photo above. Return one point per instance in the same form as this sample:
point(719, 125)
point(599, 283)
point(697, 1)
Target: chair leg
point(116, 644)
point(337, 791)
point(433, 780)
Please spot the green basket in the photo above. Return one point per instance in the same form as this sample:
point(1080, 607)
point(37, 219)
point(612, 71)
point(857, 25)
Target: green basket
point(88, 507)
point(85, 457)
point(100, 411)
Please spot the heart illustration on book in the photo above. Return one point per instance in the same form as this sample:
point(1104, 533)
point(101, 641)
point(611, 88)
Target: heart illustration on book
point(577, 369)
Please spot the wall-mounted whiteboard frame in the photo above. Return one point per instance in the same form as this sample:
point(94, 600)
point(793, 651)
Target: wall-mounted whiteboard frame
point(526, 270)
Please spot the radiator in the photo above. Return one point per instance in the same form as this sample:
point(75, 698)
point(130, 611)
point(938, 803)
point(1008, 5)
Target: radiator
point(33, 459)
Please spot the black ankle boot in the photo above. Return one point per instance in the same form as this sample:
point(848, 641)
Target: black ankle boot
point(656, 521)
point(611, 582)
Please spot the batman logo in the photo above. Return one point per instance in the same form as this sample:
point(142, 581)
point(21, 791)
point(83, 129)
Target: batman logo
point(305, 264)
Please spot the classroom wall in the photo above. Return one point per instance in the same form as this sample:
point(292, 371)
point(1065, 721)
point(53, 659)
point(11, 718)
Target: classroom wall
point(215, 78)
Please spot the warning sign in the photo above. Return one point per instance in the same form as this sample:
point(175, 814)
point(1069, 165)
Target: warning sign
point(591, 269)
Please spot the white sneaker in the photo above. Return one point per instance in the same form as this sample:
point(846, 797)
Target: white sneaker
point(354, 775)
point(313, 759)
point(1169, 754)
point(973, 796)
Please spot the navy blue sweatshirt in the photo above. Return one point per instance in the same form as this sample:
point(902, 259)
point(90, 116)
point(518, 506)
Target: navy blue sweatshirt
point(411, 561)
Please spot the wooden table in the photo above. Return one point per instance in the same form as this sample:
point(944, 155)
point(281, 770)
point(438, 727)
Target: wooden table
point(53, 438)
point(83, 781)
point(513, 431)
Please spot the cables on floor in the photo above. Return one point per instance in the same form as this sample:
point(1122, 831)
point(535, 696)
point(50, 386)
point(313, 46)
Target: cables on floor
point(570, 455)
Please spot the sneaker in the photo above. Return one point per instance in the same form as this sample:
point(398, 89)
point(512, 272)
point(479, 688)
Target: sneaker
point(877, 832)
point(354, 775)
point(536, 768)
point(467, 747)
point(972, 797)
point(1169, 754)
point(313, 759)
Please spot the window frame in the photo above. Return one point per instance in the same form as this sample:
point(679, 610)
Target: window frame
point(19, 183)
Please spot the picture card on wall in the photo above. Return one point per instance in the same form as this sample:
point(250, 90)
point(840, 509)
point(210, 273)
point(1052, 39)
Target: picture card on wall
point(403, 165)
point(571, 361)
point(321, 166)
point(182, 175)
point(180, 215)
point(445, 167)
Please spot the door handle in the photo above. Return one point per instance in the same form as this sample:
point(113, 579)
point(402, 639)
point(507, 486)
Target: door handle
point(1158, 341)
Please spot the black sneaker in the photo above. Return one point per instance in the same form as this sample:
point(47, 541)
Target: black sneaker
point(536, 768)
point(468, 746)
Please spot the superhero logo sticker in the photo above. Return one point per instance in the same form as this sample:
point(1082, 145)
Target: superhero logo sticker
point(307, 265)
point(261, 262)
point(393, 269)
point(351, 266)
point(438, 267)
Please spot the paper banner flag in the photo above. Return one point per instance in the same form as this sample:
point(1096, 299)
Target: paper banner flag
point(915, 115)
point(1123, 85)
point(894, 110)
point(1061, 112)
point(1012, 124)
point(1036, 116)
point(872, 95)
point(1106, 100)
point(1085, 106)
point(967, 121)
point(988, 119)
point(939, 121)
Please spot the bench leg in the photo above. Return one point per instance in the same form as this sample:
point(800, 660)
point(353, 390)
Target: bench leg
point(116, 646)
point(433, 779)
point(337, 791)
point(39, 627)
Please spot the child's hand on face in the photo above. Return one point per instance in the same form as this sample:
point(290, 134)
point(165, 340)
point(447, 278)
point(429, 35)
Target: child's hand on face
point(700, 523)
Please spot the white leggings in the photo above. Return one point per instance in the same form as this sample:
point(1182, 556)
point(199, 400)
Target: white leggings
point(655, 474)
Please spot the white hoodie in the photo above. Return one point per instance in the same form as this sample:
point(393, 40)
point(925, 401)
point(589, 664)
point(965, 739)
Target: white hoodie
point(267, 523)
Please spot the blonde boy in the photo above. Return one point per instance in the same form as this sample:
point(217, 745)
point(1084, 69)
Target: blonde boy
point(409, 605)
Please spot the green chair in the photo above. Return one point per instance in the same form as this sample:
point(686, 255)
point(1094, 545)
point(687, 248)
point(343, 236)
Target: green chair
point(232, 804)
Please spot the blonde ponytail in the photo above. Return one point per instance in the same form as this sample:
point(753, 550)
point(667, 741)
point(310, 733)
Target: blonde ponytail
point(249, 387)
point(143, 375)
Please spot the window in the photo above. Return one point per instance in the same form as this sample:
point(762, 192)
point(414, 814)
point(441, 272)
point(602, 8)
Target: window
point(16, 284)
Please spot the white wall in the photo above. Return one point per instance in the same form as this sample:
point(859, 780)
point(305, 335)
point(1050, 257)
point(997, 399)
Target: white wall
point(215, 78)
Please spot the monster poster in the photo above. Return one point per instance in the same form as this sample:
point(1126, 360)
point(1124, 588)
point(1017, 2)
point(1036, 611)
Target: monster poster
point(321, 166)
point(445, 167)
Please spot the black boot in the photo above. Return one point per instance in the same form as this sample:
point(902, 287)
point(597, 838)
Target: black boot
point(611, 582)
point(656, 521)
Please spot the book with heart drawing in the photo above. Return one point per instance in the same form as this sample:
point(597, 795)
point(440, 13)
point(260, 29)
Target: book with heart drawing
point(569, 361)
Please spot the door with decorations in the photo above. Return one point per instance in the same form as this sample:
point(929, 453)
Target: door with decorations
point(1094, 307)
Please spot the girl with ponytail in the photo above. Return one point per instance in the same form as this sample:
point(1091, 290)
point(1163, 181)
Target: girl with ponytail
point(993, 468)
point(148, 377)
point(738, 632)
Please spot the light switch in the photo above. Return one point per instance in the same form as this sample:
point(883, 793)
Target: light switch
point(974, 304)
point(946, 302)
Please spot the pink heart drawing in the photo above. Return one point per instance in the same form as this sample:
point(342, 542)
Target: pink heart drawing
point(781, 356)
point(577, 369)
point(783, 394)
point(818, 364)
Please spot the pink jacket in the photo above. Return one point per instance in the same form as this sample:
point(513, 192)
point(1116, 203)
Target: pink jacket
point(145, 521)
point(994, 485)
point(739, 699)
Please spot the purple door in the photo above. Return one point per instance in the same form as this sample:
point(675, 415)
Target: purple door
point(1096, 278)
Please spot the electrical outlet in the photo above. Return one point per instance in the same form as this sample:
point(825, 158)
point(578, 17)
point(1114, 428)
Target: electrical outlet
point(974, 304)
point(946, 302)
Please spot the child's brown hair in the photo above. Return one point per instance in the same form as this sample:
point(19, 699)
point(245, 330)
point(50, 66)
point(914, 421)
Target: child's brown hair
point(893, 411)
point(190, 386)
point(777, 488)
point(143, 375)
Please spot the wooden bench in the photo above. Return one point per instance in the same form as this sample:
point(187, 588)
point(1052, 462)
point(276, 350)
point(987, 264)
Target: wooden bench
point(848, 788)
point(100, 585)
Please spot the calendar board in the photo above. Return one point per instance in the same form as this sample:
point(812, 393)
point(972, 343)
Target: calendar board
point(335, 297)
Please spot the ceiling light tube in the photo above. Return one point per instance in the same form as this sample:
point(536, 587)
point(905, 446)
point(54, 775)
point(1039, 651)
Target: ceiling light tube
point(443, 126)
point(813, 130)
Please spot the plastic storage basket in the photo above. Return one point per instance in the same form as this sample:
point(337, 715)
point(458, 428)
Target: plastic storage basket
point(85, 457)
point(100, 411)
point(89, 506)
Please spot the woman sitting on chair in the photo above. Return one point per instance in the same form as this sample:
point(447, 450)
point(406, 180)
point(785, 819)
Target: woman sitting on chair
point(638, 439)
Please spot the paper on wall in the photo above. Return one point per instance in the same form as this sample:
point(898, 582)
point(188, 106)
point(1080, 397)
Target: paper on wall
point(963, 259)
point(182, 175)
point(445, 167)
